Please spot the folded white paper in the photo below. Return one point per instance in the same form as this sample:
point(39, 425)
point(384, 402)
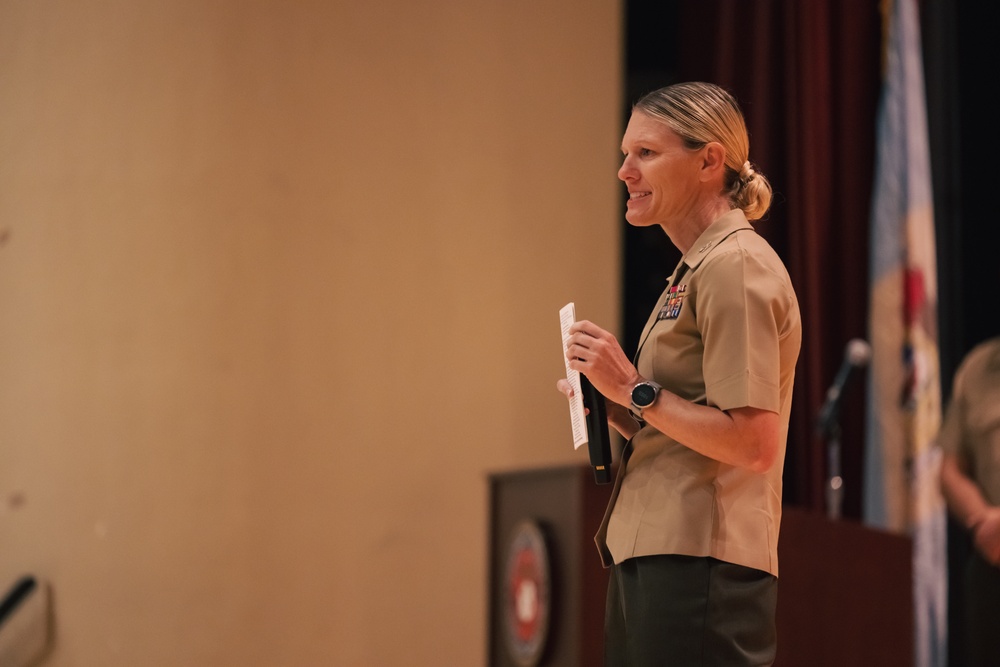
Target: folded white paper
point(567, 316)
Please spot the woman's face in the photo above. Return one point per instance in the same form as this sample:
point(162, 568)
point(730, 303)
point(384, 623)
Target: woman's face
point(661, 174)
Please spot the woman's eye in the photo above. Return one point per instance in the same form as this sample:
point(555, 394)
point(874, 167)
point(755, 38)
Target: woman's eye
point(645, 152)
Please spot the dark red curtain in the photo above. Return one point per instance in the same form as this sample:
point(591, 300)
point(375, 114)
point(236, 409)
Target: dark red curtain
point(807, 75)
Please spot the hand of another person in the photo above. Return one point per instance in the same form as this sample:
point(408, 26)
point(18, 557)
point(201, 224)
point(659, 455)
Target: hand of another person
point(987, 535)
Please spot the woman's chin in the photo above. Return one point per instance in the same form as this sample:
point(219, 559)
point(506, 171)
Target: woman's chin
point(636, 219)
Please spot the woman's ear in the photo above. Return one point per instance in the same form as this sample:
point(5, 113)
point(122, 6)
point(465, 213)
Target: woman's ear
point(713, 160)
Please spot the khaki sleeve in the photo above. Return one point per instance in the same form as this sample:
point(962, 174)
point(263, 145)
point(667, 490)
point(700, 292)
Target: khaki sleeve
point(738, 315)
point(950, 437)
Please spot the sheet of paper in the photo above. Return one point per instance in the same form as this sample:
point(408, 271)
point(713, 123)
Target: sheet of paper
point(567, 316)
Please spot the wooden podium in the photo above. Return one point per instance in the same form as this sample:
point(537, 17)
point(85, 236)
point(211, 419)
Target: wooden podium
point(844, 593)
point(568, 505)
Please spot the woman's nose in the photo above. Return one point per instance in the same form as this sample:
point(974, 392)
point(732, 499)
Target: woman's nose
point(626, 171)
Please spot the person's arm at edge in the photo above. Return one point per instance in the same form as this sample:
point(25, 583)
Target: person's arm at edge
point(967, 504)
point(962, 495)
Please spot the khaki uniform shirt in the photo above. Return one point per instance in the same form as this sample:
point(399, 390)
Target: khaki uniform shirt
point(971, 427)
point(726, 333)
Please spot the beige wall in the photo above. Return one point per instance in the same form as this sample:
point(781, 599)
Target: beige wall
point(279, 287)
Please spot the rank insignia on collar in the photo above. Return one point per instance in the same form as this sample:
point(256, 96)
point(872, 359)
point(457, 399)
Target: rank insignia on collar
point(672, 308)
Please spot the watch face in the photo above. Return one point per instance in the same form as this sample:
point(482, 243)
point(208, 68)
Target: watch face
point(643, 395)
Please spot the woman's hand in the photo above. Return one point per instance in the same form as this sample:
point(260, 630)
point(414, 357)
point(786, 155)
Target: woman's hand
point(618, 416)
point(564, 387)
point(597, 354)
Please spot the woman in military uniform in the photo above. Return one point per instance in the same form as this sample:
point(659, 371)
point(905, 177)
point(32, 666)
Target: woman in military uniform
point(691, 531)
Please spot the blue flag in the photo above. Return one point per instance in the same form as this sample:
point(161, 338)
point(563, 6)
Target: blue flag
point(902, 462)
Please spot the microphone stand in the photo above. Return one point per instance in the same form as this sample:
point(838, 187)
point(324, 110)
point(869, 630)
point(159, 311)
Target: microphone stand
point(835, 483)
point(857, 355)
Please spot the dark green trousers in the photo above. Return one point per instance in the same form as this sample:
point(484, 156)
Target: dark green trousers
point(982, 612)
point(686, 611)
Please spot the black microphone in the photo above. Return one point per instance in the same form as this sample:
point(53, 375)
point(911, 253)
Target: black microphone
point(857, 355)
point(598, 440)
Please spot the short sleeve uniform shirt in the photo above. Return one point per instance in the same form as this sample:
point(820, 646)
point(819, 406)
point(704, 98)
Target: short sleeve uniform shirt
point(725, 333)
point(971, 427)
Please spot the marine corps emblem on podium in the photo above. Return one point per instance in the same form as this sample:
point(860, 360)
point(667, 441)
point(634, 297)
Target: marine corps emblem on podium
point(527, 593)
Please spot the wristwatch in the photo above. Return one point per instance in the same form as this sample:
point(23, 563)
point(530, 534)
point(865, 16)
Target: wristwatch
point(644, 395)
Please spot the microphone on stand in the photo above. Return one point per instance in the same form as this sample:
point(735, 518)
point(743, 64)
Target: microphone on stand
point(857, 354)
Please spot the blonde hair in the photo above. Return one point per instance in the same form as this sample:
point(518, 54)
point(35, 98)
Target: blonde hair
point(702, 112)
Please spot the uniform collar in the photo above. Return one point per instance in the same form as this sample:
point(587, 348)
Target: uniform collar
point(725, 225)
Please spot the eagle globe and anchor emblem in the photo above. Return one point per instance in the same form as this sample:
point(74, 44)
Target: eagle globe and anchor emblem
point(528, 599)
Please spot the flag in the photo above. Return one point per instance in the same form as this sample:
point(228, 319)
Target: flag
point(901, 491)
